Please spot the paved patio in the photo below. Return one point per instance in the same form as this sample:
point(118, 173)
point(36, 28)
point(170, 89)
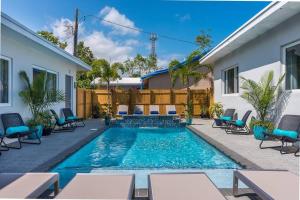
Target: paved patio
point(53, 149)
point(247, 147)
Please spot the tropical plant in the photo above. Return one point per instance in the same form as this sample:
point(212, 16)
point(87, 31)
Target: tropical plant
point(107, 72)
point(216, 110)
point(262, 95)
point(37, 96)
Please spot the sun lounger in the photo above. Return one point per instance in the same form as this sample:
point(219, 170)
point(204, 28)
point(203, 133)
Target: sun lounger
point(154, 110)
point(62, 124)
point(191, 186)
point(171, 110)
point(96, 186)
point(287, 132)
point(227, 116)
point(14, 127)
point(238, 126)
point(122, 110)
point(138, 110)
point(269, 185)
point(26, 185)
point(69, 116)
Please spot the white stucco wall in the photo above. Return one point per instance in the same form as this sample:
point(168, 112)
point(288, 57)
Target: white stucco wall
point(24, 54)
point(254, 59)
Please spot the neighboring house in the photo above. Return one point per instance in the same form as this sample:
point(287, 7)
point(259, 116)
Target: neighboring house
point(268, 41)
point(123, 83)
point(161, 79)
point(23, 49)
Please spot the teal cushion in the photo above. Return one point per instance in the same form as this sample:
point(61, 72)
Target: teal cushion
point(1, 133)
point(72, 118)
point(225, 118)
point(280, 132)
point(39, 133)
point(239, 123)
point(16, 129)
point(259, 132)
point(61, 120)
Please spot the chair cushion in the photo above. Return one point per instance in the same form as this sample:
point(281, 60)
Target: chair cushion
point(138, 112)
point(172, 112)
point(239, 123)
point(61, 121)
point(122, 113)
point(225, 118)
point(280, 132)
point(16, 129)
point(72, 118)
point(259, 132)
point(154, 112)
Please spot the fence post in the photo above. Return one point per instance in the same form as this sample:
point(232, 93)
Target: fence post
point(84, 104)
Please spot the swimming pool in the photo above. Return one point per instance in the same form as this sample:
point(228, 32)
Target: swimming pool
point(145, 150)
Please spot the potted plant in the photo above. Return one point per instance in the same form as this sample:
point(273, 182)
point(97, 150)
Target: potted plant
point(189, 113)
point(215, 111)
point(38, 97)
point(262, 96)
point(204, 110)
point(108, 115)
point(96, 111)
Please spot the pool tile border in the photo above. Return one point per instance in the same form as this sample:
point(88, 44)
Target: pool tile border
point(244, 162)
point(48, 165)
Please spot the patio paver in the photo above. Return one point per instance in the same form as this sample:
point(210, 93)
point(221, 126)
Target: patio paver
point(54, 148)
point(248, 147)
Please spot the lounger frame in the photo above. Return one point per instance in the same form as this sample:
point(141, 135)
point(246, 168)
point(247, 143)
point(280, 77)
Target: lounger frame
point(65, 127)
point(79, 122)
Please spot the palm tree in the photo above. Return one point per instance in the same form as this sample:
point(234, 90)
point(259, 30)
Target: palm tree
point(36, 94)
point(187, 73)
point(106, 72)
point(261, 95)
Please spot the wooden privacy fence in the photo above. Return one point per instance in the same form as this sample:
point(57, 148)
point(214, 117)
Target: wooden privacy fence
point(87, 99)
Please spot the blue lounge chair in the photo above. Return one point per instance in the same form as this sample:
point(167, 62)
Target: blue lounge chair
point(14, 127)
point(287, 132)
point(69, 116)
point(62, 124)
point(238, 126)
point(227, 116)
point(138, 110)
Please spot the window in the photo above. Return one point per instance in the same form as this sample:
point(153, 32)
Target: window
point(292, 61)
point(51, 78)
point(231, 80)
point(5, 85)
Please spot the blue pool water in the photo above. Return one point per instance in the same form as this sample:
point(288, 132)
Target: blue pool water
point(142, 150)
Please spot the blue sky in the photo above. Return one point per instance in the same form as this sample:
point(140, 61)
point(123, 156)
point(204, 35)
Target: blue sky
point(179, 19)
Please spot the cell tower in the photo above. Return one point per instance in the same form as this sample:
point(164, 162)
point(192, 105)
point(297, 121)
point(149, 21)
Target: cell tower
point(153, 38)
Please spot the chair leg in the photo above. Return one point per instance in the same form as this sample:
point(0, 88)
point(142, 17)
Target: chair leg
point(260, 144)
point(3, 145)
point(38, 140)
point(15, 147)
point(297, 151)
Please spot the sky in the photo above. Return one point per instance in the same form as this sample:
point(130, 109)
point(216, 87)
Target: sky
point(183, 20)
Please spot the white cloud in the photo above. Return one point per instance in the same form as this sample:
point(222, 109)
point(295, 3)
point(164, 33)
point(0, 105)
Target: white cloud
point(183, 18)
point(113, 15)
point(105, 47)
point(163, 61)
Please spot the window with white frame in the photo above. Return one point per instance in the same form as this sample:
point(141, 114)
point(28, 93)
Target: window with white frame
point(292, 62)
point(51, 78)
point(5, 84)
point(231, 80)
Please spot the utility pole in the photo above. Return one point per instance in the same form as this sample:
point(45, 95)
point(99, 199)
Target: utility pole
point(75, 32)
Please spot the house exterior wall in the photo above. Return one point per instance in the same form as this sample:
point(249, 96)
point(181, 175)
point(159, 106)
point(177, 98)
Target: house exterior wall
point(24, 54)
point(163, 81)
point(255, 58)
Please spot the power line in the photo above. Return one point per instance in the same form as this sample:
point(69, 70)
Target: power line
point(140, 30)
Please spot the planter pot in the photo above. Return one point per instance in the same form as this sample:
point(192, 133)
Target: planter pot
point(39, 133)
point(47, 131)
point(107, 120)
point(258, 132)
point(189, 121)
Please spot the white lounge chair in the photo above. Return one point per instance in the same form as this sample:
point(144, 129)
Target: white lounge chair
point(96, 186)
point(154, 109)
point(26, 185)
point(122, 110)
point(171, 110)
point(138, 110)
point(269, 185)
point(191, 186)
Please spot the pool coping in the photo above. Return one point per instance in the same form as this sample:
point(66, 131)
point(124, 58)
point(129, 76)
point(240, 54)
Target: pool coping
point(241, 160)
point(48, 165)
